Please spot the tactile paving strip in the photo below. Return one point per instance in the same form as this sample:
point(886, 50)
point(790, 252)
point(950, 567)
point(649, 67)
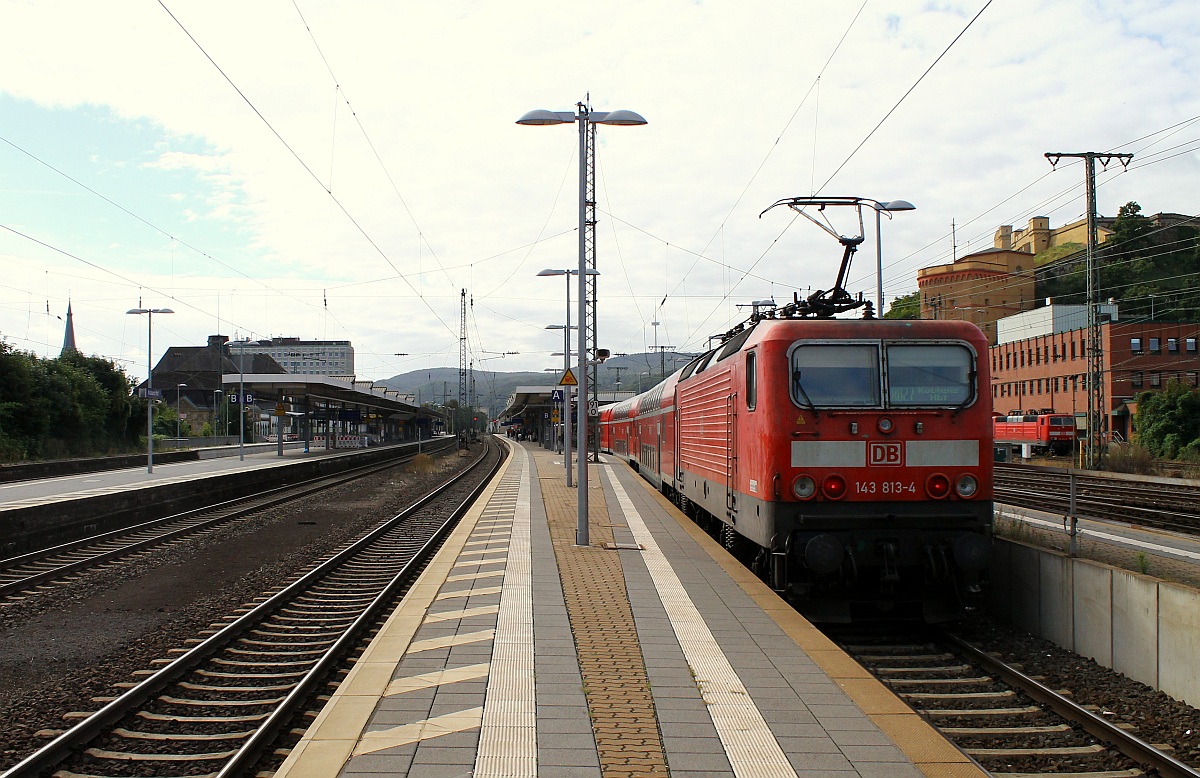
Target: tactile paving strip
point(624, 723)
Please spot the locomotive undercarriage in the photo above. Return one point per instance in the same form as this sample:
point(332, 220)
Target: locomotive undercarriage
point(881, 561)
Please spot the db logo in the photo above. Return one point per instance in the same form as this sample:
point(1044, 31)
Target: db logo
point(886, 455)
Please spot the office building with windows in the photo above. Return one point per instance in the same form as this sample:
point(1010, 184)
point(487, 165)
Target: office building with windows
point(1040, 362)
point(308, 357)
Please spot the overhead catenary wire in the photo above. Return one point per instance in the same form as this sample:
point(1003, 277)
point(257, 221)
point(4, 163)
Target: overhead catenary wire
point(345, 211)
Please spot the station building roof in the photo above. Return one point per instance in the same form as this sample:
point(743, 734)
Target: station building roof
point(537, 398)
point(327, 391)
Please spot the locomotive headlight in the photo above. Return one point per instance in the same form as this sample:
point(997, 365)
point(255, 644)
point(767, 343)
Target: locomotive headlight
point(885, 425)
point(804, 487)
point(834, 487)
point(937, 486)
point(966, 486)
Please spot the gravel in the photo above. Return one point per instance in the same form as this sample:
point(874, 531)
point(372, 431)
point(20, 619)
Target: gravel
point(1157, 718)
point(63, 647)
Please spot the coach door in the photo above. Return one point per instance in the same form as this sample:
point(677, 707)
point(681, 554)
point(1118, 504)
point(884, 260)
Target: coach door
point(730, 454)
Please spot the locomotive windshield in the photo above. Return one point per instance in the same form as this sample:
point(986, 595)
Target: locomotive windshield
point(928, 374)
point(832, 375)
point(826, 375)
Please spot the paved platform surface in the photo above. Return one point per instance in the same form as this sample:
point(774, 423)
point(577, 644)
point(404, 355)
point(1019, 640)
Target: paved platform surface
point(648, 653)
point(81, 486)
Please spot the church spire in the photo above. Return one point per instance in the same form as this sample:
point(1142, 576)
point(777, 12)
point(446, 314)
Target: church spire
point(69, 335)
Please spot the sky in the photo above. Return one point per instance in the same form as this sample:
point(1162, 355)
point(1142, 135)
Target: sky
point(342, 171)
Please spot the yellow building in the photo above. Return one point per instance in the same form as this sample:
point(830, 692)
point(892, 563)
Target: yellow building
point(1037, 236)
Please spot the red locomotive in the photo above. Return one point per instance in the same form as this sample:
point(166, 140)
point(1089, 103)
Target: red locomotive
point(1035, 432)
point(847, 461)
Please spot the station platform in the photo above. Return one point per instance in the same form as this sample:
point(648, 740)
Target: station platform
point(648, 653)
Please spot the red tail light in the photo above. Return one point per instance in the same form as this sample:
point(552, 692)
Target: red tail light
point(937, 486)
point(834, 487)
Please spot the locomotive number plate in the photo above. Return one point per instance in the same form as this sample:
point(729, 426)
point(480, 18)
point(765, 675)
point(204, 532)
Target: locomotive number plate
point(885, 487)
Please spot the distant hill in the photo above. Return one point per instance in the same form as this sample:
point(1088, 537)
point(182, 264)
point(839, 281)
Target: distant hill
point(492, 388)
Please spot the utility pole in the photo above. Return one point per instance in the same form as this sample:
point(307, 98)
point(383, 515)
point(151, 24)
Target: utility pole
point(588, 323)
point(462, 354)
point(618, 369)
point(662, 359)
point(1095, 381)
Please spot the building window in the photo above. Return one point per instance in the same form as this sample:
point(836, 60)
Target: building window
point(1072, 352)
point(1135, 345)
point(1155, 380)
point(1155, 346)
point(1194, 378)
point(1190, 345)
point(1136, 379)
point(1172, 346)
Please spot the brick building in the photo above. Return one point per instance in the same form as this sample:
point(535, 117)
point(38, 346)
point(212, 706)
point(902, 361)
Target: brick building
point(1041, 362)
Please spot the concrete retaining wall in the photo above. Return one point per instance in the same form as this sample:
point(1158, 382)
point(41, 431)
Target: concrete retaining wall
point(1140, 626)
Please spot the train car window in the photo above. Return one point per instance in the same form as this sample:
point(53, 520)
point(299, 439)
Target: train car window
point(690, 368)
point(836, 375)
point(929, 374)
point(751, 380)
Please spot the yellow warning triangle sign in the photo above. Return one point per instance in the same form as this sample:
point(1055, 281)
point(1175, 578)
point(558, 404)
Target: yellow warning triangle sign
point(568, 379)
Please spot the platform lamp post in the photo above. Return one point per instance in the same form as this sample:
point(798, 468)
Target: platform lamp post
point(586, 118)
point(241, 344)
point(149, 378)
point(177, 388)
point(567, 359)
point(889, 207)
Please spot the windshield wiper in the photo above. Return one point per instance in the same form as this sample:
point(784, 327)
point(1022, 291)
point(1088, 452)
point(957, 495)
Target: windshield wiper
point(799, 387)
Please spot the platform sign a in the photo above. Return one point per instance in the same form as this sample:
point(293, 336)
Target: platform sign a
point(556, 395)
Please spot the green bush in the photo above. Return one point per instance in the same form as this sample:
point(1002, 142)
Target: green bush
point(1130, 458)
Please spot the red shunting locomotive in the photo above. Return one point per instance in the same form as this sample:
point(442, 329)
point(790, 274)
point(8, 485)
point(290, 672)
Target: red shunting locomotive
point(847, 461)
point(1035, 432)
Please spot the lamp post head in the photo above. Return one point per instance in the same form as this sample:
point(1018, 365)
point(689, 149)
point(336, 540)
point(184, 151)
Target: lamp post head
point(620, 118)
point(899, 205)
point(591, 271)
point(149, 310)
point(540, 116)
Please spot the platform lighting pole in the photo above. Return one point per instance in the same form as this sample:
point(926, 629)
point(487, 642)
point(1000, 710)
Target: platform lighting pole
point(149, 378)
point(177, 388)
point(241, 344)
point(891, 205)
point(586, 118)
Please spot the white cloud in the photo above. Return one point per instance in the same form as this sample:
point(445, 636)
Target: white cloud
point(438, 88)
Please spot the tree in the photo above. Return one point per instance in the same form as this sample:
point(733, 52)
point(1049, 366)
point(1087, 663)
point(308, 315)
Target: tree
point(1130, 229)
point(905, 307)
point(1168, 422)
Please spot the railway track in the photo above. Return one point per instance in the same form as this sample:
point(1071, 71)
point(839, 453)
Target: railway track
point(221, 705)
point(1162, 503)
point(22, 576)
point(1012, 724)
